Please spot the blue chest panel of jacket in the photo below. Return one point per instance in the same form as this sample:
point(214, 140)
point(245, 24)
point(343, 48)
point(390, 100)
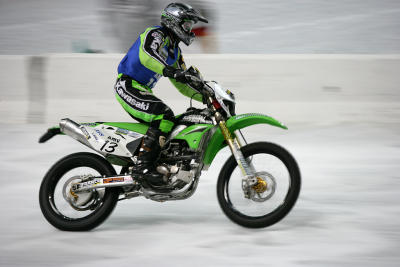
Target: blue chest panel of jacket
point(132, 66)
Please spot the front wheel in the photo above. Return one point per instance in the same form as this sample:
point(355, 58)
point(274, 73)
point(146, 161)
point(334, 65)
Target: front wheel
point(274, 195)
point(70, 211)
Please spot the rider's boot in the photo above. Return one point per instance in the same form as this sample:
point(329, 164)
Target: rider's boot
point(149, 151)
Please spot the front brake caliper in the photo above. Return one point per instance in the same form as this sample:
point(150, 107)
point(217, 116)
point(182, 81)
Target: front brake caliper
point(247, 184)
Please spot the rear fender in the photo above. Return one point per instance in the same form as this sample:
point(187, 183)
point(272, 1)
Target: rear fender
point(217, 141)
point(51, 132)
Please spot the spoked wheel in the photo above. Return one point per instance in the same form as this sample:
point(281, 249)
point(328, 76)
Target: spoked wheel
point(70, 211)
point(271, 198)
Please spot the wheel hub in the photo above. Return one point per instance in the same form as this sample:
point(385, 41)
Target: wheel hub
point(265, 187)
point(82, 200)
point(261, 185)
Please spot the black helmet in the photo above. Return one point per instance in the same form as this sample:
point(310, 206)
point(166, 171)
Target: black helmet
point(179, 19)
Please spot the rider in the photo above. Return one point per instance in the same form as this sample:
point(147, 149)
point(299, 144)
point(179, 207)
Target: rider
point(154, 54)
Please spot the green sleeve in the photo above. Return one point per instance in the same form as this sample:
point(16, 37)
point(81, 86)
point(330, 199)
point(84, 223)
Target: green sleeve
point(185, 89)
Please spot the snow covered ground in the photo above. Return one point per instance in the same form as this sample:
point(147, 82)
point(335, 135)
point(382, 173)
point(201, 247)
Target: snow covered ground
point(347, 213)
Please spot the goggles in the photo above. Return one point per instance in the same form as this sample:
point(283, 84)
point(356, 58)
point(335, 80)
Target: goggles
point(187, 25)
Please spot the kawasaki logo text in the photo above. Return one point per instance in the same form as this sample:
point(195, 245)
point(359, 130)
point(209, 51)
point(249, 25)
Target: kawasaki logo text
point(132, 101)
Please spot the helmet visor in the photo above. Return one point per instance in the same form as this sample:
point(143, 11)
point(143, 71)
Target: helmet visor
point(187, 25)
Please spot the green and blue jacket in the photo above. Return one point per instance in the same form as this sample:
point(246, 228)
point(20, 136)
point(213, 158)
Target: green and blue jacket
point(149, 55)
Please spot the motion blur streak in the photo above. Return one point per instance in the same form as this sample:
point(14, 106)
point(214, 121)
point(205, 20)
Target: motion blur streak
point(273, 26)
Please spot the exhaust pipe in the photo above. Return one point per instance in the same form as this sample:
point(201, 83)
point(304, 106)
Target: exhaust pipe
point(76, 131)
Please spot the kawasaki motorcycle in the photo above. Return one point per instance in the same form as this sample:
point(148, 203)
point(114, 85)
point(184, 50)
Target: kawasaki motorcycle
point(257, 186)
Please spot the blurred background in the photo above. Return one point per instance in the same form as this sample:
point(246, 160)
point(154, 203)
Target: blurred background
point(329, 70)
point(257, 26)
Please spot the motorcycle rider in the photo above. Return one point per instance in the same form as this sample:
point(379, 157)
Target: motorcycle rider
point(154, 54)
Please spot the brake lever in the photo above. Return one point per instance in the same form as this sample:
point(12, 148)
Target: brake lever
point(192, 78)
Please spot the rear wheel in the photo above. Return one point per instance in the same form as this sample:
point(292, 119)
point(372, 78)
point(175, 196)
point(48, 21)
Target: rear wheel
point(274, 195)
point(82, 211)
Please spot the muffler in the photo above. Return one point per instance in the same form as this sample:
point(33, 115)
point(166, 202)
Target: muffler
point(76, 131)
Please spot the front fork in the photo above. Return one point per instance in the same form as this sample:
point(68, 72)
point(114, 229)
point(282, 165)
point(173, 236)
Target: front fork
point(247, 169)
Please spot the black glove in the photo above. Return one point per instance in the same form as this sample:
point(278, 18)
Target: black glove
point(177, 74)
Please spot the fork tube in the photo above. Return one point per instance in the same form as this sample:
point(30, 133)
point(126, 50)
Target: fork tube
point(235, 149)
point(239, 142)
point(238, 139)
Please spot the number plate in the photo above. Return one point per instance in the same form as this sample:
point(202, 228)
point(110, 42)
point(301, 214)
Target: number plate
point(110, 140)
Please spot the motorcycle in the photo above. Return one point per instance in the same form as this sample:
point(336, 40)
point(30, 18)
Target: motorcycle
point(257, 186)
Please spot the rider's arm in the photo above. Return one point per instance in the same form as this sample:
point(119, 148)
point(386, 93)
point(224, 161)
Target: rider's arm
point(183, 88)
point(149, 51)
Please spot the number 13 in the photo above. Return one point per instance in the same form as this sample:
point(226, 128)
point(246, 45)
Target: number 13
point(109, 147)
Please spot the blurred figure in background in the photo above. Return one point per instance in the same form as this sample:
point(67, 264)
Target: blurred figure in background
point(204, 32)
point(125, 19)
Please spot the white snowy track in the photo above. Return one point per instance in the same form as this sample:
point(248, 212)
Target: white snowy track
point(343, 115)
point(347, 213)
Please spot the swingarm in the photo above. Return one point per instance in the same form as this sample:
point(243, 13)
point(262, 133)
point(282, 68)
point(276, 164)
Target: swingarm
point(89, 182)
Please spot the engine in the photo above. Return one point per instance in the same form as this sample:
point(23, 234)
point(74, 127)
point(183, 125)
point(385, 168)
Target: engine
point(177, 161)
point(178, 164)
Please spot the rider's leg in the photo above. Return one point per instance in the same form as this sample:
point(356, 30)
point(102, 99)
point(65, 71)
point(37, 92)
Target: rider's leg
point(150, 149)
point(142, 105)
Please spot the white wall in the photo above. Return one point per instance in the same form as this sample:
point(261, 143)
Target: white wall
point(296, 89)
point(14, 99)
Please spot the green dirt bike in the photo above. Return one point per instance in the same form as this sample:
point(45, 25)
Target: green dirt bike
point(257, 186)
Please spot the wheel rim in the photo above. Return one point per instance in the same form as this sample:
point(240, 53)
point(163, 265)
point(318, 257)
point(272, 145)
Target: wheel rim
point(270, 170)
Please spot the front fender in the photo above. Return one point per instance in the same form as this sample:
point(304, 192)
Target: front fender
point(217, 141)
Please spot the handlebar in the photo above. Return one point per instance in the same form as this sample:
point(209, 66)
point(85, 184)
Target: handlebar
point(199, 84)
point(195, 80)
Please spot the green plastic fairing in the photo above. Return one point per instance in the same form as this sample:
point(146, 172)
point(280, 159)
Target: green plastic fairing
point(193, 134)
point(135, 127)
point(217, 141)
